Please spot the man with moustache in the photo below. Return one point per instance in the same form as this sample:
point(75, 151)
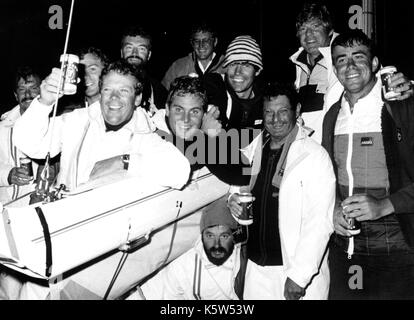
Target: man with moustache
point(294, 189)
point(370, 141)
point(14, 180)
point(208, 270)
point(202, 60)
point(112, 128)
point(136, 49)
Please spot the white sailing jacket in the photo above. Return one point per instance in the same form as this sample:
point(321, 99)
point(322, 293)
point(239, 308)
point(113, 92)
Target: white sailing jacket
point(82, 140)
point(306, 205)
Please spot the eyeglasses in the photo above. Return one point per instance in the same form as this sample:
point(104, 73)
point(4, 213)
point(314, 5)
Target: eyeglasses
point(202, 42)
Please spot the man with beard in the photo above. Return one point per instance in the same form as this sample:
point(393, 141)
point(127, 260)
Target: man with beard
point(202, 60)
point(136, 46)
point(209, 269)
point(14, 180)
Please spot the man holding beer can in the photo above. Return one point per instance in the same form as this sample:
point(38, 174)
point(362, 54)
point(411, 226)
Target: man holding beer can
point(292, 188)
point(16, 171)
point(369, 139)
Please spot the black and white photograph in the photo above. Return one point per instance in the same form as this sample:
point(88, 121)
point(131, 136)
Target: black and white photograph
point(235, 152)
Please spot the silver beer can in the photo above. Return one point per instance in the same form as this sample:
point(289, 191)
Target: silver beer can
point(386, 73)
point(70, 73)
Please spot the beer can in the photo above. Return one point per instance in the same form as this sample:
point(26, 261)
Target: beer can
point(70, 73)
point(354, 224)
point(26, 163)
point(246, 201)
point(386, 74)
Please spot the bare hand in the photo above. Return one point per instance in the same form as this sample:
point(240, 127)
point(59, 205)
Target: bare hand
point(292, 290)
point(234, 205)
point(49, 86)
point(400, 83)
point(18, 176)
point(211, 126)
point(366, 208)
point(340, 224)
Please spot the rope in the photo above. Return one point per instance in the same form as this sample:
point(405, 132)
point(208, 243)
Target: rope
point(45, 171)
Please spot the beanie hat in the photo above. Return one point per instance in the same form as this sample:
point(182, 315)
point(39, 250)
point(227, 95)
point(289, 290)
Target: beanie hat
point(244, 48)
point(217, 214)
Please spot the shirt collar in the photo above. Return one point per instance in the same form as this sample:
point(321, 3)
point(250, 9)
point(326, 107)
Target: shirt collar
point(373, 98)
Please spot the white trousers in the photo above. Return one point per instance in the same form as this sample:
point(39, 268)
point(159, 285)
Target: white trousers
point(264, 283)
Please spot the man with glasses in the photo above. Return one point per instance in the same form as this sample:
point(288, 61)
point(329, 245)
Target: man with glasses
point(203, 59)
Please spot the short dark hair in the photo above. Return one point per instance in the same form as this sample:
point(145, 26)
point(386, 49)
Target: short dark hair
point(124, 68)
point(187, 85)
point(134, 31)
point(203, 27)
point(273, 90)
point(314, 10)
point(351, 38)
point(97, 53)
point(24, 72)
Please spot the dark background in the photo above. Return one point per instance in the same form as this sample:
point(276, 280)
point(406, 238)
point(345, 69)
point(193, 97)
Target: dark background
point(27, 39)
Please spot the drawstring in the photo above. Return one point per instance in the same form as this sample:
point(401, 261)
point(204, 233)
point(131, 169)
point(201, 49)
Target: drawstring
point(351, 245)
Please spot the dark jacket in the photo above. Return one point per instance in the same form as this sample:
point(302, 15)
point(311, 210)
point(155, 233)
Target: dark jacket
point(207, 151)
point(398, 135)
point(245, 113)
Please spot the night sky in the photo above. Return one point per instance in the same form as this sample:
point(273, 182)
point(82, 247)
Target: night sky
point(27, 39)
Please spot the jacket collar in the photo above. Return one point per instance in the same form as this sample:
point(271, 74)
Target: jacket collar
point(325, 51)
point(139, 122)
point(9, 118)
point(231, 263)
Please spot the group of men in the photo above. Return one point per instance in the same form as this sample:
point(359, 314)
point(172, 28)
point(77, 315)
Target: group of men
point(300, 245)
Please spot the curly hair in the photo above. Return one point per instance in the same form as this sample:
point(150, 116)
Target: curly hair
point(135, 31)
point(275, 89)
point(314, 10)
point(124, 68)
point(24, 72)
point(97, 53)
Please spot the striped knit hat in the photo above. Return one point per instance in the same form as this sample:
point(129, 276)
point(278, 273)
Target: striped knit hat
point(244, 48)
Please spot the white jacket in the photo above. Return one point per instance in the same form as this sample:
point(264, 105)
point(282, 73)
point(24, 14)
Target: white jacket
point(10, 158)
point(82, 139)
point(189, 277)
point(332, 88)
point(306, 204)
